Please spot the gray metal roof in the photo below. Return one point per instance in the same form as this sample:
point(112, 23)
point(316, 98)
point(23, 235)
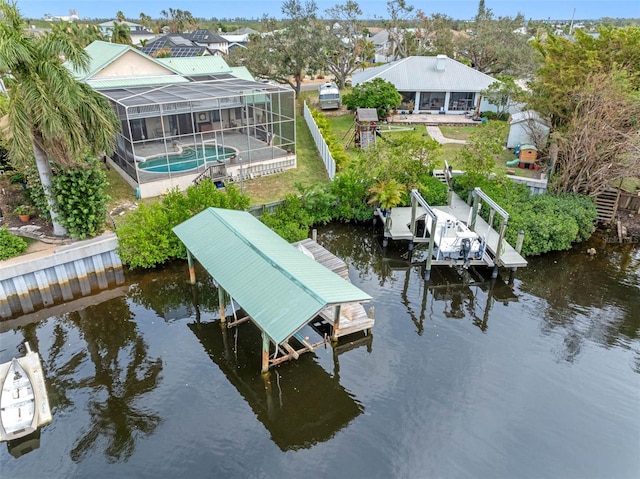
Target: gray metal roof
point(280, 287)
point(420, 74)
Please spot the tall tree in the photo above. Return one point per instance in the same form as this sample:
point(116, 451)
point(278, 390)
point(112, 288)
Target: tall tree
point(147, 21)
point(52, 116)
point(178, 21)
point(567, 64)
point(589, 87)
point(600, 145)
point(438, 34)
point(284, 55)
point(121, 33)
point(403, 41)
point(495, 46)
point(344, 47)
point(82, 34)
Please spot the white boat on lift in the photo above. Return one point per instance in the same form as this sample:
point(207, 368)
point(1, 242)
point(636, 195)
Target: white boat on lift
point(453, 240)
point(24, 405)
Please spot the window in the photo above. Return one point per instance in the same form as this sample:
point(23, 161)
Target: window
point(461, 101)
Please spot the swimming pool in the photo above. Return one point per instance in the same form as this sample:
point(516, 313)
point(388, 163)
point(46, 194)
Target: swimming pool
point(190, 158)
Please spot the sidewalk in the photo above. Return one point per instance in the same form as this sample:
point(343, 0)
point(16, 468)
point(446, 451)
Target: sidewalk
point(436, 134)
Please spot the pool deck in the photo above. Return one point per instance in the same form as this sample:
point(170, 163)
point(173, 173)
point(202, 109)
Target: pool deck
point(250, 151)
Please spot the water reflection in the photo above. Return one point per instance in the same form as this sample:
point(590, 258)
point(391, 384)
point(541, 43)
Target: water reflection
point(24, 445)
point(575, 285)
point(123, 374)
point(300, 404)
point(462, 293)
point(169, 293)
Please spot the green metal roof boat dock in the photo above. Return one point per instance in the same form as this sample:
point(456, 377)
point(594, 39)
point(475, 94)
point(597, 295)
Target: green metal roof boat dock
point(281, 287)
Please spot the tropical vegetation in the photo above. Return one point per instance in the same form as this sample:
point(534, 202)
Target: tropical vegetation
point(52, 118)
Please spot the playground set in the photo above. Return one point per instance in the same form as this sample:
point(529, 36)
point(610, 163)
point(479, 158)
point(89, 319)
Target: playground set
point(526, 157)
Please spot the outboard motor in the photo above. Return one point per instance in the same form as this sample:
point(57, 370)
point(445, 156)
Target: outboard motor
point(466, 249)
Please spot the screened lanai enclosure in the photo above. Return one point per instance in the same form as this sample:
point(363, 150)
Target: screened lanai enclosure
point(229, 129)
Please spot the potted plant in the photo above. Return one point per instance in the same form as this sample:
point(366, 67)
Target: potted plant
point(24, 212)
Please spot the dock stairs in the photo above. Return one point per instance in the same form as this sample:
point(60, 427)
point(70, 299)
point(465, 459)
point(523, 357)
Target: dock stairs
point(607, 205)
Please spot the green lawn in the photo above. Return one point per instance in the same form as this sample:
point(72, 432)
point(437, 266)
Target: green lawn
point(458, 132)
point(310, 168)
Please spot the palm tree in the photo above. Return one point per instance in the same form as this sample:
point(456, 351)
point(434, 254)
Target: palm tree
point(51, 116)
point(121, 33)
point(388, 193)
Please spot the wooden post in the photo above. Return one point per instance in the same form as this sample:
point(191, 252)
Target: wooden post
point(265, 353)
point(192, 271)
point(314, 234)
point(222, 303)
point(336, 323)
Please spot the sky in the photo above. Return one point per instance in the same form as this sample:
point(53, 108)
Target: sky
point(457, 9)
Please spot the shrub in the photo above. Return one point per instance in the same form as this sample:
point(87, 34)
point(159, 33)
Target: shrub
point(80, 191)
point(335, 147)
point(10, 245)
point(145, 237)
point(290, 220)
point(434, 191)
point(352, 192)
point(82, 201)
point(550, 222)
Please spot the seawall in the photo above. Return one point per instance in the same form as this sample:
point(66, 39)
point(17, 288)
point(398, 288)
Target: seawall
point(39, 280)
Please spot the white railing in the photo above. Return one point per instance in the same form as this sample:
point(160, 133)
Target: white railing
point(321, 145)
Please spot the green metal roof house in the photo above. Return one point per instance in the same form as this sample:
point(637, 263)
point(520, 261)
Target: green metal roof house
point(183, 118)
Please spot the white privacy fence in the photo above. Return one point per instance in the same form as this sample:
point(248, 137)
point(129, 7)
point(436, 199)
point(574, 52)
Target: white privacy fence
point(321, 145)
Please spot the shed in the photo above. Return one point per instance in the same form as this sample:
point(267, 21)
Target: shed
point(527, 127)
point(280, 288)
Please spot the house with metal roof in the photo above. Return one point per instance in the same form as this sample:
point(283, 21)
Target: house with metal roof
point(188, 118)
point(432, 84)
point(281, 288)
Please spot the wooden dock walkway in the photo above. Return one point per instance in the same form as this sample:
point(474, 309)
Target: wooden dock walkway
point(353, 317)
point(399, 228)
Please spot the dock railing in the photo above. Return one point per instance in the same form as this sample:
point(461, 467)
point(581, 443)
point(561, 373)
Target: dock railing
point(478, 197)
point(416, 198)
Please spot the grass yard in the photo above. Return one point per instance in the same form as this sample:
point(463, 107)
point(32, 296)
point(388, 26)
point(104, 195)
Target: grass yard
point(310, 170)
point(118, 190)
point(458, 132)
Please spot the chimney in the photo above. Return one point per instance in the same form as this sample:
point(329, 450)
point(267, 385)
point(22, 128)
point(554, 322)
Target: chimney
point(441, 61)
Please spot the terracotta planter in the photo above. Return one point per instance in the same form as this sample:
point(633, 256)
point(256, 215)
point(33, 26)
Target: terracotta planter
point(24, 218)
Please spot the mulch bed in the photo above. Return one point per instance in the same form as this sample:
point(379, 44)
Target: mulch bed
point(12, 195)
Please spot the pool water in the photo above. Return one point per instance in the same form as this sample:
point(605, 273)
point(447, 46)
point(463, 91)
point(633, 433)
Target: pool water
point(189, 159)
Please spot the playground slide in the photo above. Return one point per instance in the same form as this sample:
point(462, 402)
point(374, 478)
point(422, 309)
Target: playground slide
point(513, 162)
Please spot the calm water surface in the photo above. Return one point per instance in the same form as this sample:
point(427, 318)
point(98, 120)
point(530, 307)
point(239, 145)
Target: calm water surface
point(462, 378)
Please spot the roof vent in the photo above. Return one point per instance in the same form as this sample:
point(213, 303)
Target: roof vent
point(440, 62)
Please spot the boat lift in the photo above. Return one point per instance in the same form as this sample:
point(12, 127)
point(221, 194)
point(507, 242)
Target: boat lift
point(400, 223)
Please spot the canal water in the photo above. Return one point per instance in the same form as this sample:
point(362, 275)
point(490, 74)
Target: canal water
point(463, 377)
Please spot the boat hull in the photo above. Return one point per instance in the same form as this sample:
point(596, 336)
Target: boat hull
point(18, 412)
point(453, 239)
